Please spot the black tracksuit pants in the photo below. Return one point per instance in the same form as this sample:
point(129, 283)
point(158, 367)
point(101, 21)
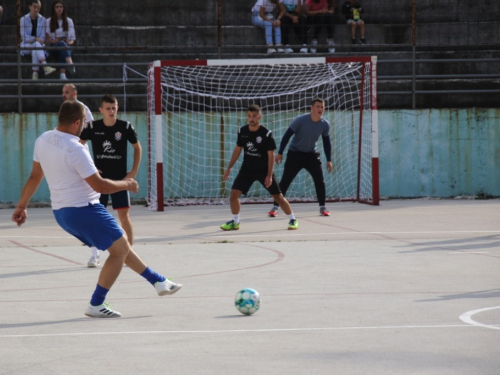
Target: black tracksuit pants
point(311, 162)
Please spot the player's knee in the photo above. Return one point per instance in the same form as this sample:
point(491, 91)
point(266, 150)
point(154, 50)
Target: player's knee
point(235, 195)
point(120, 247)
point(278, 197)
point(124, 216)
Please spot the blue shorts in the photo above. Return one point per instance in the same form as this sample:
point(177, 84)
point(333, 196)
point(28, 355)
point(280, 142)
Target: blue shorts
point(93, 225)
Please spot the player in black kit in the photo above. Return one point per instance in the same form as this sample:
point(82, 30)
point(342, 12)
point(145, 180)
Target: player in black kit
point(109, 138)
point(258, 145)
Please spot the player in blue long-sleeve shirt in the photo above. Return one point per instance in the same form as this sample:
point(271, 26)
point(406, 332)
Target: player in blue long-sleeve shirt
point(302, 153)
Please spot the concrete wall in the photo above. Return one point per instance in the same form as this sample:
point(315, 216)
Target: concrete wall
point(423, 153)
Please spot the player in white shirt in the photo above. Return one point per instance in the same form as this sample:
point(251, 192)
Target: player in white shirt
point(75, 185)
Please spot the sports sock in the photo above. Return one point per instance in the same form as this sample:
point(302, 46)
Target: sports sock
point(236, 218)
point(99, 295)
point(152, 276)
point(291, 216)
point(95, 252)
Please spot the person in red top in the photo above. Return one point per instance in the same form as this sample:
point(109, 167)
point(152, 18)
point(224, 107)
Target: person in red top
point(320, 13)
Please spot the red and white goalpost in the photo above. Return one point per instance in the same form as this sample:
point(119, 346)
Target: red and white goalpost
point(196, 107)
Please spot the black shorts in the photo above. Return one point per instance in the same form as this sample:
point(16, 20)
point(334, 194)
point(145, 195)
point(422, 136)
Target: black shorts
point(120, 199)
point(246, 178)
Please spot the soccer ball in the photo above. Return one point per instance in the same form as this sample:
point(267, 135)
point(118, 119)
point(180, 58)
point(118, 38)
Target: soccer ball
point(247, 301)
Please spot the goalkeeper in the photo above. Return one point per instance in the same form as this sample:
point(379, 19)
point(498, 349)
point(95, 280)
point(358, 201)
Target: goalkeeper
point(302, 152)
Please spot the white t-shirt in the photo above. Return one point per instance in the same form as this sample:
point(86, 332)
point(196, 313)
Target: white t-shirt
point(266, 4)
point(60, 33)
point(66, 163)
point(88, 114)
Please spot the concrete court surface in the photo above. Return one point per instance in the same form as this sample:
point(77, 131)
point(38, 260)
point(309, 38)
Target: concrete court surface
point(408, 287)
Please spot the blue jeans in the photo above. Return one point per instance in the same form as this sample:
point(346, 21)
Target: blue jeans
point(268, 27)
point(61, 54)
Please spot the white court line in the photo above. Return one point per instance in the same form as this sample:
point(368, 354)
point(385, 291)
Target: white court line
point(271, 330)
point(467, 318)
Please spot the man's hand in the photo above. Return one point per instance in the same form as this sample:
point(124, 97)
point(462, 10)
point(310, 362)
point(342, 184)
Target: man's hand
point(226, 174)
point(133, 185)
point(278, 158)
point(19, 216)
point(329, 166)
point(268, 181)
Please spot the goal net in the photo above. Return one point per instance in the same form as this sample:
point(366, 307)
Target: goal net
point(195, 109)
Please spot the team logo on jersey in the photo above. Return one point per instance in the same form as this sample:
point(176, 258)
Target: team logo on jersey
point(251, 147)
point(118, 136)
point(259, 139)
point(107, 147)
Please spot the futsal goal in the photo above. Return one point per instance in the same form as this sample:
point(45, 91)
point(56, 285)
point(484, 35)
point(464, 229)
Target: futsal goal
point(195, 108)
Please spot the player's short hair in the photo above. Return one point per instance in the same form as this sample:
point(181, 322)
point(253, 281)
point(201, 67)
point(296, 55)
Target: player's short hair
point(253, 108)
point(109, 98)
point(317, 100)
point(70, 111)
point(31, 2)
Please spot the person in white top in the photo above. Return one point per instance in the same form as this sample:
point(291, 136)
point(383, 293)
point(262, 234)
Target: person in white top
point(75, 185)
point(60, 32)
point(263, 17)
point(33, 28)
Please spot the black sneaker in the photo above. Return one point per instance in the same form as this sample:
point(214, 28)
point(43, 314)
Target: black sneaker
point(72, 69)
point(353, 41)
point(363, 41)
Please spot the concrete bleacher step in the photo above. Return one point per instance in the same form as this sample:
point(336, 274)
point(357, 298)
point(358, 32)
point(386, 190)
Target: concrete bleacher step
point(244, 38)
point(49, 95)
point(196, 12)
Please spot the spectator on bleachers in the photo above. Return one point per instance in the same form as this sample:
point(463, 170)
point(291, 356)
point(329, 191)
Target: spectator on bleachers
point(33, 35)
point(294, 19)
point(320, 13)
point(262, 16)
point(352, 11)
point(61, 33)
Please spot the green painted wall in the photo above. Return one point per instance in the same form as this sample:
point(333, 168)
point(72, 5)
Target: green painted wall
point(423, 153)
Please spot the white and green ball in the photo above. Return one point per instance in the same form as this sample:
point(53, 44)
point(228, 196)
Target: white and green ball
point(247, 301)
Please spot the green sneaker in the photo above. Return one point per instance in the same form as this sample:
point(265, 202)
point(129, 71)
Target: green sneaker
point(293, 224)
point(230, 225)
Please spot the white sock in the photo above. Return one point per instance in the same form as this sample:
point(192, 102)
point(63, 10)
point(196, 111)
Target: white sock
point(236, 218)
point(95, 252)
point(291, 216)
